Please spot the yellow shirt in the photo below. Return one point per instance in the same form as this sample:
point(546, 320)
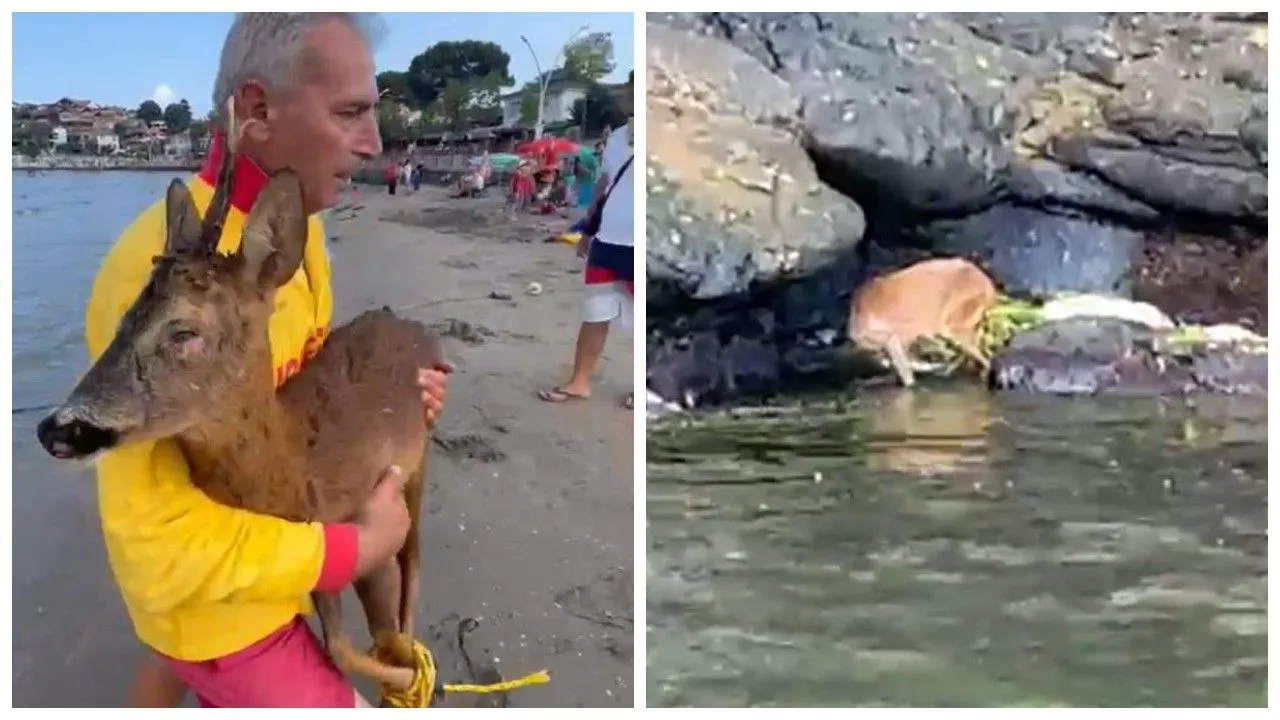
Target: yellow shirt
point(201, 580)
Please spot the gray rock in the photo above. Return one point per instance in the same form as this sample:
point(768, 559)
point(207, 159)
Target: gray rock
point(1091, 356)
point(732, 198)
point(1063, 152)
point(1029, 252)
point(934, 111)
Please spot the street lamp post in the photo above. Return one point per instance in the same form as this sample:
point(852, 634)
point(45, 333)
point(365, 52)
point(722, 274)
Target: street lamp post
point(544, 79)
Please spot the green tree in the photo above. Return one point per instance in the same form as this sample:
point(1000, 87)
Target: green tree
point(485, 108)
point(598, 109)
point(391, 124)
point(76, 143)
point(425, 124)
point(40, 133)
point(150, 111)
point(199, 130)
point(529, 103)
point(465, 104)
point(32, 137)
point(394, 85)
point(589, 58)
point(486, 92)
point(465, 61)
point(177, 116)
point(453, 104)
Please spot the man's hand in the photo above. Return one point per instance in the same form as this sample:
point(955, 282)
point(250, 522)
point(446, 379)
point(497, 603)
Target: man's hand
point(384, 523)
point(584, 244)
point(433, 382)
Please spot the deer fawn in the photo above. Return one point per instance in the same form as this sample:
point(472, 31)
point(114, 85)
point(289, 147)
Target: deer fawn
point(944, 298)
point(190, 360)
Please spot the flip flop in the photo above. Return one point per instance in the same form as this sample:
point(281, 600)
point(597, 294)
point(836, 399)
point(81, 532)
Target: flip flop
point(558, 395)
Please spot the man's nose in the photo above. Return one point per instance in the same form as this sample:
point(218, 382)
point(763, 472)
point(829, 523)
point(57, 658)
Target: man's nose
point(368, 141)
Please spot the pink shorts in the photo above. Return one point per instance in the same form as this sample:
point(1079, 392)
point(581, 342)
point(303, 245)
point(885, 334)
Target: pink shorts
point(286, 669)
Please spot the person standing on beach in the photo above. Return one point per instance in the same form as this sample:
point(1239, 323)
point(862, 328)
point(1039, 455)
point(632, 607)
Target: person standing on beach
point(217, 594)
point(584, 180)
point(390, 174)
point(609, 251)
point(522, 187)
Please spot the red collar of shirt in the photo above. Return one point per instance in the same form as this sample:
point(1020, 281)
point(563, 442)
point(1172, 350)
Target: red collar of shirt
point(247, 178)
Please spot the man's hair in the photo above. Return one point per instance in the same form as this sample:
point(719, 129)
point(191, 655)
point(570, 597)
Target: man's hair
point(267, 47)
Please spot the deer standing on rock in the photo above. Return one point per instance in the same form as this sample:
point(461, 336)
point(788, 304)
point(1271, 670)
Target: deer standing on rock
point(943, 298)
point(191, 360)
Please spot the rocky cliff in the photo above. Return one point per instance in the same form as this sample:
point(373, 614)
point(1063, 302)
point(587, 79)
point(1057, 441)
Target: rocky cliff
point(793, 155)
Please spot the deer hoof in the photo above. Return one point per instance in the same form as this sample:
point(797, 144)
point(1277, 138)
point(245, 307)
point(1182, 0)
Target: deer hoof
point(399, 679)
point(394, 648)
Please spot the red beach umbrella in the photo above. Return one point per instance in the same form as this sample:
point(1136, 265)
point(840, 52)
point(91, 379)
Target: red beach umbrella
point(548, 149)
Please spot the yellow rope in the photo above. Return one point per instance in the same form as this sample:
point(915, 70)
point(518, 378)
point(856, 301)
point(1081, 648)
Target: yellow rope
point(420, 693)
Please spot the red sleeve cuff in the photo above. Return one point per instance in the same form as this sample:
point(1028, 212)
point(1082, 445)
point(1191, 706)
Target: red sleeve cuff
point(339, 566)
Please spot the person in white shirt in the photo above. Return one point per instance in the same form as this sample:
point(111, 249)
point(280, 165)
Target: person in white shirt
point(609, 286)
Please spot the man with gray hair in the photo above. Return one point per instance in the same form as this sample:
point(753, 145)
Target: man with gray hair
point(217, 593)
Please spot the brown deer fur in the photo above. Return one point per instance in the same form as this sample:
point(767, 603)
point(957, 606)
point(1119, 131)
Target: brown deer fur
point(939, 298)
point(191, 360)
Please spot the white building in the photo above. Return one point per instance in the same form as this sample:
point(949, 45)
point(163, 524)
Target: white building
point(58, 137)
point(108, 142)
point(179, 144)
point(558, 108)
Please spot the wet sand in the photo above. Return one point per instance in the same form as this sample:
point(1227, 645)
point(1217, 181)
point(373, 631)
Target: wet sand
point(528, 515)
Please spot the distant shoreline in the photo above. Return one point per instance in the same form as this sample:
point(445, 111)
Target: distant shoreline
point(120, 168)
point(102, 165)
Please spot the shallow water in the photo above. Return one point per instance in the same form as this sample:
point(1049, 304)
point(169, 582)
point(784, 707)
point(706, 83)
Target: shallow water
point(63, 224)
point(952, 548)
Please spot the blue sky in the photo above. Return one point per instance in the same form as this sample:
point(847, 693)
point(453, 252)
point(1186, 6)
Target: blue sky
point(124, 58)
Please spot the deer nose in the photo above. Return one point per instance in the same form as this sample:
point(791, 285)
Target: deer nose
point(67, 437)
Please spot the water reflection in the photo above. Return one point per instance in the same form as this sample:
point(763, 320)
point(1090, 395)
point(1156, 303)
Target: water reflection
point(957, 548)
point(928, 434)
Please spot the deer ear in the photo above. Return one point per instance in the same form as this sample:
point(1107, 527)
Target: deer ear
point(182, 222)
point(275, 233)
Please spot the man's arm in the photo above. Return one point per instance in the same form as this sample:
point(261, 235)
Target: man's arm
point(175, 547)
point(170, 544)
point(597, 195)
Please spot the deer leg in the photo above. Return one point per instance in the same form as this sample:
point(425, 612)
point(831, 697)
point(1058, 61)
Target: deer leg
point(329, 610)
point(378, 592)
point(344, 653)
point(901, 363)
point(408, 557)
point(970, 347)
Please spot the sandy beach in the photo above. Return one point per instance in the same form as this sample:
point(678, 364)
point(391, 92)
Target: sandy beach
point(528, 513)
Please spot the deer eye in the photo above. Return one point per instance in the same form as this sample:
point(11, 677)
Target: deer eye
point(181, 336)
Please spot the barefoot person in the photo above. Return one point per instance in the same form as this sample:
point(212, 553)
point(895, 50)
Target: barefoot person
point(610, 270)
point(218, 594)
